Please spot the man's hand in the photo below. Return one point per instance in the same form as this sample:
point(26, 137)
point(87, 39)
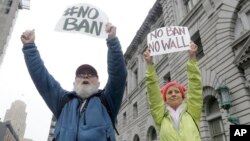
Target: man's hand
point(111, 30)
point(28, 36)
point(147, 57)
point(193, 50)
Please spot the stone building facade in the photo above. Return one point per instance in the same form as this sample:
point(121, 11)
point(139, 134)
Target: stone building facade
point(8, 10)
point(8, 14)
point(221, 29)
point(7, 133)
point(16, 115)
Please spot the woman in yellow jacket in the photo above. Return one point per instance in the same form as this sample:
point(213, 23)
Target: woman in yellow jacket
point(176, 114)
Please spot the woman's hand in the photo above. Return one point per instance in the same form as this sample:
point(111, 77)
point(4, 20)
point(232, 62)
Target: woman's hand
point(147, 57)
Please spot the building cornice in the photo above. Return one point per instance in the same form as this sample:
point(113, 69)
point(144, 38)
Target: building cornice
point(151, 18)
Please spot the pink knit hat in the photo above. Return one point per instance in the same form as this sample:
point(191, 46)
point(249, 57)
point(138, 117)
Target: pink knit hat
point(164, 89)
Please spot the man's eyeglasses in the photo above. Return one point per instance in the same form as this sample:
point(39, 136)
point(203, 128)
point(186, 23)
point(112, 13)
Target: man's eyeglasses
point(85, 75)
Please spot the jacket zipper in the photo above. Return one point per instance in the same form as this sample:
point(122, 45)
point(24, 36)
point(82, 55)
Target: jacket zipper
point(78, 121)
point(84, 115)
point(107, 135)
point(173, 124)
point(79, 117)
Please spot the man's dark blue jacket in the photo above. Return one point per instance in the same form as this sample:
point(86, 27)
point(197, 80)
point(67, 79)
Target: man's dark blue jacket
point(94, 123)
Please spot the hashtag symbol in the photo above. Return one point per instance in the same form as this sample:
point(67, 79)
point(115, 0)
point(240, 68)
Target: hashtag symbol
point(70, 11)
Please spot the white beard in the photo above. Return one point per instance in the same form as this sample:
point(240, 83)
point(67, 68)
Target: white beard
point(86, 91)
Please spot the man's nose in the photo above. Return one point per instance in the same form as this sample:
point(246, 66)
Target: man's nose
point(86, 76)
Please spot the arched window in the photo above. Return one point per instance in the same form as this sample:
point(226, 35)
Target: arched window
point(136, 138)
point(214, 120)
point(151, 134)
point(135, 110)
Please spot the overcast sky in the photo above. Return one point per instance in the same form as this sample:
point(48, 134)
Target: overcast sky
point(61, 52)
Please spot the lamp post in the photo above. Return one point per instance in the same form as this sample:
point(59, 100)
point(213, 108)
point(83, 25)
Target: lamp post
point(226, 103)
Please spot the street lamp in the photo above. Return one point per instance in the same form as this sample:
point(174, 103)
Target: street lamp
point(225, 99)
point(226, 103)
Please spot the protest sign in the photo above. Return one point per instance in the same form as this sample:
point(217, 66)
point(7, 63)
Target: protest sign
point(168, 39)
point(85, 19)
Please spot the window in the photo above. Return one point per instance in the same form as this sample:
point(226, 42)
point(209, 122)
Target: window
point(197, 40)
point(9, 3)
point(7, 6)
point(167, 78)
point(7, 10)
point(248, 17)
point(124, 118)
point(216, 130)
point(134, 76)
point(125, 91)
point(151, 135)
point(136, 138)
point(135, 110)
point(215, 121)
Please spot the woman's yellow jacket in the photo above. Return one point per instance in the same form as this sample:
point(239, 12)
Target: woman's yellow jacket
point(190, 112)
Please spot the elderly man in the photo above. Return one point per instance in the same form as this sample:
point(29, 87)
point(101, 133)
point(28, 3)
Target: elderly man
point(87, 113)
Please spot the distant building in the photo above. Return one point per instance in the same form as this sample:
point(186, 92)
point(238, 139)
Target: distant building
point(8, 15)
point(17, 116)
point(221, 29)
point(52, 128)
point(7, 133)
point(25, 4)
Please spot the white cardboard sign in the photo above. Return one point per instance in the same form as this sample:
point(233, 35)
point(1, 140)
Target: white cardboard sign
point(85, 19)
point(168, 39)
